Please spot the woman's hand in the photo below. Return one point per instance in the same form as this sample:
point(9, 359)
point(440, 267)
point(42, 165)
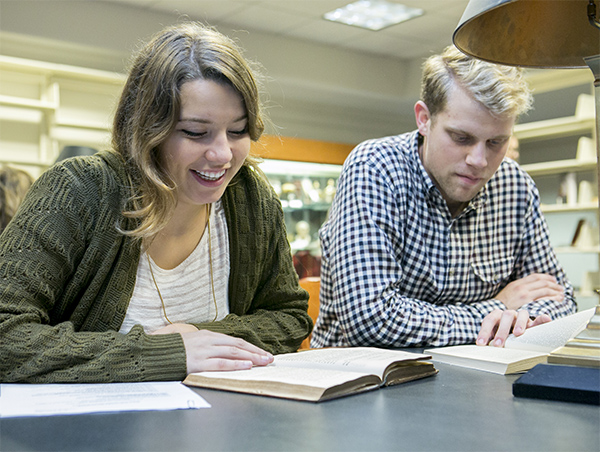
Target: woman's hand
point(176, 328)
point(498, 324)
point(206, 350)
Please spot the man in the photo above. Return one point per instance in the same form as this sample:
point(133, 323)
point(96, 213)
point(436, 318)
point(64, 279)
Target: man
point(435, 238)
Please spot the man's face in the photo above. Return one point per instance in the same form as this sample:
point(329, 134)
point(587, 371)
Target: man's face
point(463, 146)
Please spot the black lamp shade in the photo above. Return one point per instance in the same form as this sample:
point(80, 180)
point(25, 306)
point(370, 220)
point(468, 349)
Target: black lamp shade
point(528, 33)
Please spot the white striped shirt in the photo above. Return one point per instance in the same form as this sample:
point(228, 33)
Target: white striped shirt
point(186, 289)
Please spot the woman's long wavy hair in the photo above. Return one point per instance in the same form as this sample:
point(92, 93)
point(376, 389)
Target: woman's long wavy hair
point(14, 185)
point(150, 104)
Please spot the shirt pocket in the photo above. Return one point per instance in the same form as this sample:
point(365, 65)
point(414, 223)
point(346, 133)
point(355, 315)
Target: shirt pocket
point(493, 271)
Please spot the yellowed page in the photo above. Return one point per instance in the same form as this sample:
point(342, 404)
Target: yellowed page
point(370, 360)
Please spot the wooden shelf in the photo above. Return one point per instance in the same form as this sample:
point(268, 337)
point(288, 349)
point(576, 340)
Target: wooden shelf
point(61, 70)
point(82, 124)
point(574, 250)
point(559, 166)
point(582, 122)
point(11, 101)
point(553, 208)
point(554, 128)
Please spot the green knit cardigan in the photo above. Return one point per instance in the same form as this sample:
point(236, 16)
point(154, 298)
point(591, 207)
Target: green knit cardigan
point(67, 275)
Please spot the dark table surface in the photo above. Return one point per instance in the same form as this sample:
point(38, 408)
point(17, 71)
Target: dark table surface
point(458, 409)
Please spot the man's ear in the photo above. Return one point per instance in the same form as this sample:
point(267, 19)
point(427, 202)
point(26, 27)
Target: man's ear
point(422, 117)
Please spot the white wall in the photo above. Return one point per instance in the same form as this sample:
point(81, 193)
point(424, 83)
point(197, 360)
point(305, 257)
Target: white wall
point(315, 92)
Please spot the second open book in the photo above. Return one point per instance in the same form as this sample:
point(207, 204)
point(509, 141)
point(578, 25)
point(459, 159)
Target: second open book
point(519, 353)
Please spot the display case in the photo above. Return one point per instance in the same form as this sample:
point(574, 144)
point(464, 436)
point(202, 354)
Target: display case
point(557, 148)
point(306, 191)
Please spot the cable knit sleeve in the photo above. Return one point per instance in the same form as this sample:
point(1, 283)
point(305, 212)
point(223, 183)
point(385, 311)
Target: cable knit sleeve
point(268, 307)
point(66, 275)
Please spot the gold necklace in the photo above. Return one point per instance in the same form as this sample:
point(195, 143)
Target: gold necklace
point(212, 282)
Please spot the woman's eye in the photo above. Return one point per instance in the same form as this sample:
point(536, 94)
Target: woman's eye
point(191, 134)
point(244, 131)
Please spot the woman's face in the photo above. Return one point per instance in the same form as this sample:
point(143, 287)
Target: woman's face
point(209, 143)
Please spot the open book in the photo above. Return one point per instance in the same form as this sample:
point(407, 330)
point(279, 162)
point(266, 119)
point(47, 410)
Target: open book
point(520, 353)
point(321, 374)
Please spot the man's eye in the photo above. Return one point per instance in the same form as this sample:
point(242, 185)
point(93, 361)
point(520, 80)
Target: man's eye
point(462, 139)
point(191, 134)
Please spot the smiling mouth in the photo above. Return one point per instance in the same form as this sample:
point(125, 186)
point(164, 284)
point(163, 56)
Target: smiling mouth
point(210, 176)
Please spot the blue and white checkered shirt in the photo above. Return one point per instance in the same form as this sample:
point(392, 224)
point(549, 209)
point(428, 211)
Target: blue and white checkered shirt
point(399, 271)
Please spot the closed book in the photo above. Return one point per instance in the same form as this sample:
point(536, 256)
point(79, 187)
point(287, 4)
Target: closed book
point(560, 382)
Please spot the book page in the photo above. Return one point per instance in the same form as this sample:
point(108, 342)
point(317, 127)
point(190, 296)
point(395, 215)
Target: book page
point(319, 378)
point(551, 335)
point(370, 360)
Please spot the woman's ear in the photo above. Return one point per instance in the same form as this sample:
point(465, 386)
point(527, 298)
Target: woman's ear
point(422, 117)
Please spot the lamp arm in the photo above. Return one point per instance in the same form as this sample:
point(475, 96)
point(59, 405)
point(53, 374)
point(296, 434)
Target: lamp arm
point(591, 13)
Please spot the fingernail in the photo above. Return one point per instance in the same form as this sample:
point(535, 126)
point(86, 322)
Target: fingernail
point(518, 330)
point(265, 359)
point(498, 343)
point(480, 341)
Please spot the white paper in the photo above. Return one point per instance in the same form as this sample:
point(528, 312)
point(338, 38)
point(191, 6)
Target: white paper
point(59, 399)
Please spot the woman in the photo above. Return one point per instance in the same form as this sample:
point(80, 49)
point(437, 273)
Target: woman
point(14, 184)
point(168, 254)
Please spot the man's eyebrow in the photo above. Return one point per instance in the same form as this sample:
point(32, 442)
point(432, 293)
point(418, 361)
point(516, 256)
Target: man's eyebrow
point(462, 132)
point(470, 135)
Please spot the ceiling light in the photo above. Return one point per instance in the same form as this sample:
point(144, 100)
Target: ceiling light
point(373, 15)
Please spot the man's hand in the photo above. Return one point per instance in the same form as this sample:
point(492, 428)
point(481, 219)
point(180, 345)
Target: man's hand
point(497, 325)
point(536, 286)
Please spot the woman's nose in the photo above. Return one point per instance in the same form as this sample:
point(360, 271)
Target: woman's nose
point(219, 149)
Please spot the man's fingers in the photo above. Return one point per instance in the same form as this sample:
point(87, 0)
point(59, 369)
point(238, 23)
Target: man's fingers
point(521, 323)
point(489, 326)
point(543, 318)
point(504, 328)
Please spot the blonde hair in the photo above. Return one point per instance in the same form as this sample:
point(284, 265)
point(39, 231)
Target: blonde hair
point(150, 104)
point(502, 90)
point(14, 184)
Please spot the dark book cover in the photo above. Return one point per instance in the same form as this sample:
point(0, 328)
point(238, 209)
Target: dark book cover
point(560, 382)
